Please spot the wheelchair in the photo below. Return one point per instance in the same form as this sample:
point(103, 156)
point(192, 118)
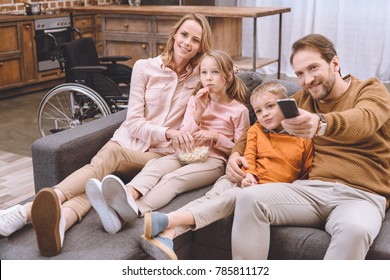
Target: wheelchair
point(94, 87)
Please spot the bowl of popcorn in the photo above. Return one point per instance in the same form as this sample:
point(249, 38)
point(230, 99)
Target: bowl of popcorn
point(198, 154)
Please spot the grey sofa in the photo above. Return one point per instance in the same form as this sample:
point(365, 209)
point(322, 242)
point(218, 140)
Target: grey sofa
point(55, 156)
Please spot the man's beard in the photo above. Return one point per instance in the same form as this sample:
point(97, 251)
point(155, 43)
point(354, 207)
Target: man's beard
point(327, 85)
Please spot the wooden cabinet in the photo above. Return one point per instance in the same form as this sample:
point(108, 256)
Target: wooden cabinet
point(142, 31)
point(137, 36)
point(17, 55)
point(143, 36)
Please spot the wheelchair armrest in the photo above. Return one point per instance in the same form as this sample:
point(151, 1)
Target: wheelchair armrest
point(88, 69)
point(114, 59)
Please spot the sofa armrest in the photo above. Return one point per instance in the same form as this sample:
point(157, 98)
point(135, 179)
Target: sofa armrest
point(56, 156)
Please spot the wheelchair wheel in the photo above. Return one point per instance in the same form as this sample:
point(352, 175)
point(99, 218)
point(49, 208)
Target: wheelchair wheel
point(69, 105)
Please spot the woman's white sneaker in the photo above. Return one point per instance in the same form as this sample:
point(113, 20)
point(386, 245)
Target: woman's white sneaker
point(107, 215)
point(12, 219)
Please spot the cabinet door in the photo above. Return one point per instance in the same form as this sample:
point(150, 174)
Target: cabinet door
point(137, 50)
point(160, 47)
point(10, 72)
point(10, 55)
point(30, 68)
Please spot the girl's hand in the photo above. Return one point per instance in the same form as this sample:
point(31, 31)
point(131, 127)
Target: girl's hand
point(202, 136)
point(248, 181)
point(202, 99)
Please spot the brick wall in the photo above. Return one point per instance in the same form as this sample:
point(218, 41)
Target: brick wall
point(18, 5)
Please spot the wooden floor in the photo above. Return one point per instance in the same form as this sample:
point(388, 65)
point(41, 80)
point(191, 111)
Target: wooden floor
point(16, 179)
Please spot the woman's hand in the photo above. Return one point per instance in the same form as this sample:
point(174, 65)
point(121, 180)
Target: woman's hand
point(248, 181)
point(233, 168)
point(182, 141)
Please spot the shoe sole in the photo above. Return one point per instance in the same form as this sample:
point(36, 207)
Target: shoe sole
point(157, 249)
point(148, 227)
point(115, 196)
point(45, 216)
point(100, 205)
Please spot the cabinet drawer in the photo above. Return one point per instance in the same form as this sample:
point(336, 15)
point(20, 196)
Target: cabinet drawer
point(10, 72)
point(164, 26)
point(136, 50)
point(133, 24)
point(83, 22)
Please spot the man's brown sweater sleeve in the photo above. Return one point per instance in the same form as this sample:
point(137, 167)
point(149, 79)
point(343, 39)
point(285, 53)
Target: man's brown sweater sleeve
point(240, 145)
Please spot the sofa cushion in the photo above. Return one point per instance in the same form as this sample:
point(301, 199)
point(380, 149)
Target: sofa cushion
point(286, 243)
point(87, 240)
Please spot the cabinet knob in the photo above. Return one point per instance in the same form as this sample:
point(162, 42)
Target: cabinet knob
point(1, 64)
point(161, 47)
point(143, 46)
point(83, 22)
point(27, 27)
point(126, 25)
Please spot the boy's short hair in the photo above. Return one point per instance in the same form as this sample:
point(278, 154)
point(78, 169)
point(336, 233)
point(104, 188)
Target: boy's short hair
point(272, 87)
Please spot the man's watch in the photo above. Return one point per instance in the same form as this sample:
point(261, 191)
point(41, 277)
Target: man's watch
point(321, 126)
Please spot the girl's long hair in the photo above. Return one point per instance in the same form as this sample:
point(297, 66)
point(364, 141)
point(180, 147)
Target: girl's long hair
point(235, 87)
point(205, 41)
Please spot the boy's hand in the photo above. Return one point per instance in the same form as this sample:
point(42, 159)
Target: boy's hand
point(248, 181)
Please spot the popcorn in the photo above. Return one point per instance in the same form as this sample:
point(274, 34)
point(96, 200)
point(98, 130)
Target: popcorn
point(200, 153)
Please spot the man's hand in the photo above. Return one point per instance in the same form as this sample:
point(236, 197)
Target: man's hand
point(233, 169)
point(305, 125)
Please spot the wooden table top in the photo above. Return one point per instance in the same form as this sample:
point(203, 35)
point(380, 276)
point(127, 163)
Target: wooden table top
point(214, 11)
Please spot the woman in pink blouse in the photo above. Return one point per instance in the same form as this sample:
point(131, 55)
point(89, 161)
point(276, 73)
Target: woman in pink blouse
point(160, 90)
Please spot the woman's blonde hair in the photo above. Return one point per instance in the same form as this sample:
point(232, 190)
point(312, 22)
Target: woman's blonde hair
point(235, 87)
point(205, 41)
point(272, 87)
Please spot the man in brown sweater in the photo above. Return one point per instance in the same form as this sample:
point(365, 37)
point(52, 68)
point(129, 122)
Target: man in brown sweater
point(348, 188)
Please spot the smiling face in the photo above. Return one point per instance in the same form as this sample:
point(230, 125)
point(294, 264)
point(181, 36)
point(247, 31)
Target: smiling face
point(187, 40)
point(267, 111)
point(315, 75)
point(211, 76)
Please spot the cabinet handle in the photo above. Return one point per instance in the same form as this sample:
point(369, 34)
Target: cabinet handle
point(143, 46)
point(126, 25)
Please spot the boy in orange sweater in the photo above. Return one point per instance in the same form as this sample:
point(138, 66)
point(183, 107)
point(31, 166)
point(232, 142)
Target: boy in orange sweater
point(273, 156)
